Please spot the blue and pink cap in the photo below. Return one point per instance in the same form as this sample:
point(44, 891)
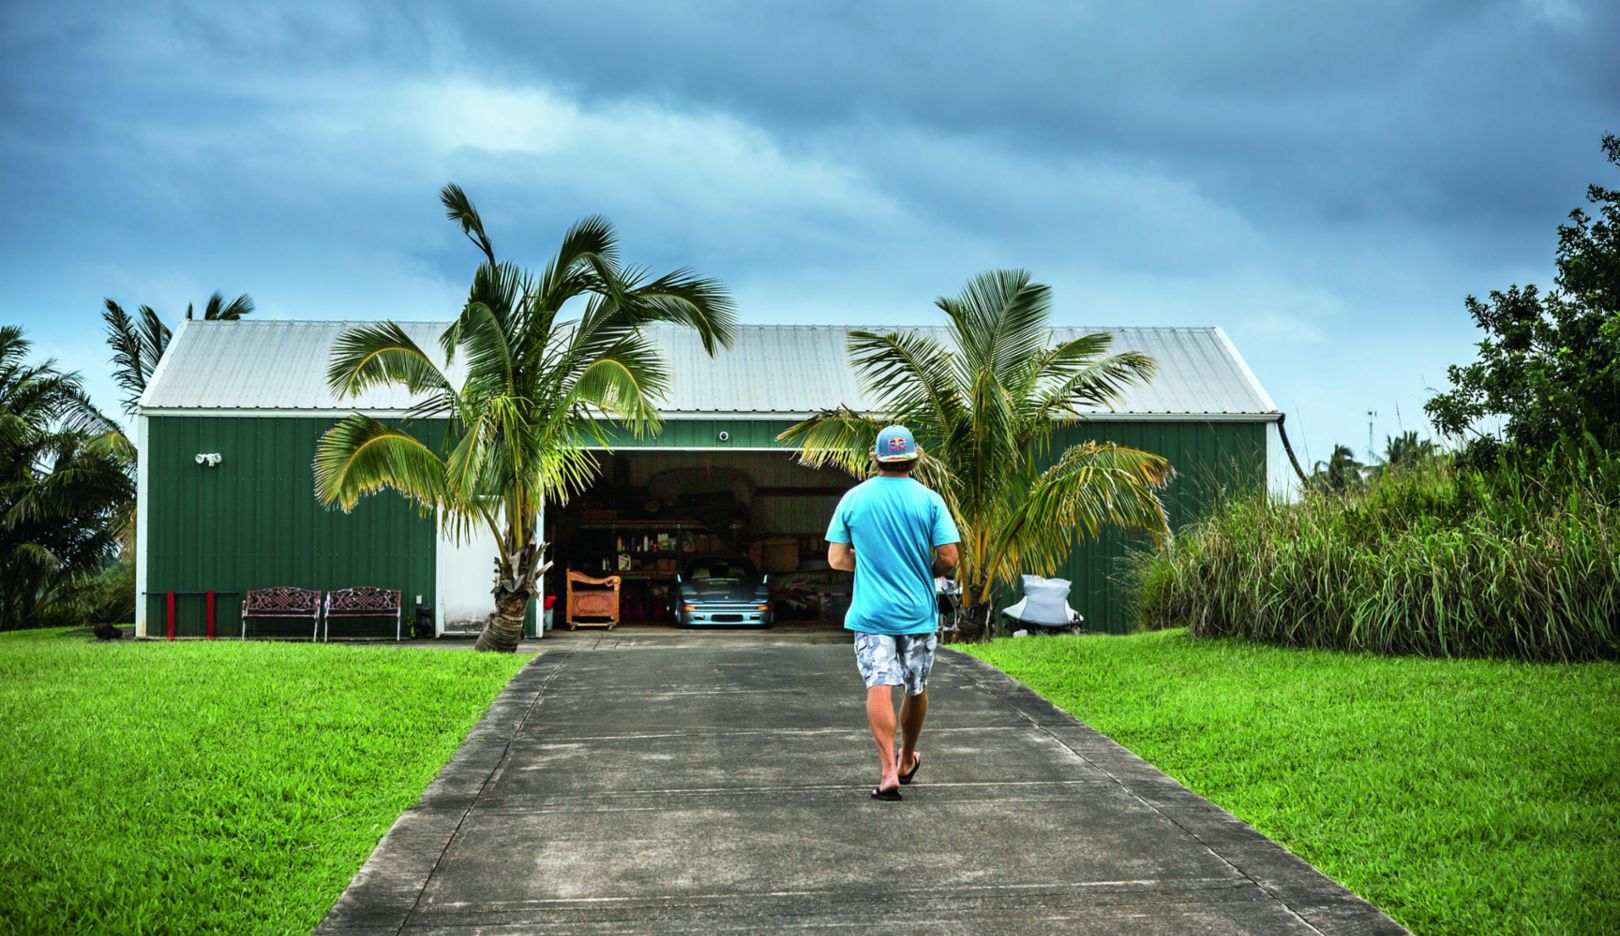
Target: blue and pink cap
point(894, 444)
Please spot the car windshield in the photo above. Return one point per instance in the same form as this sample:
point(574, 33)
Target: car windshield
point(720, 571)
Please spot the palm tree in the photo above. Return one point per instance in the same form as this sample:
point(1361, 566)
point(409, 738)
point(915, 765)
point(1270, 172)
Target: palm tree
point(138, 341)
point(536, 390)
point(1407, 449)
point(60, 498)
point(1340, 473)
point(983, 408)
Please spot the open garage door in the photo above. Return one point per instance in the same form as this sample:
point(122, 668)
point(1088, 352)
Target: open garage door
point(654, 513)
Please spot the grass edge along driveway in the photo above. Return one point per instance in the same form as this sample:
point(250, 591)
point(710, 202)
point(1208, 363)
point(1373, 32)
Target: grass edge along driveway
point(223, 787)
point(1459, 796)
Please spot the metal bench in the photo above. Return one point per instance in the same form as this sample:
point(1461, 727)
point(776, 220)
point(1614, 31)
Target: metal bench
point(363, 601)
point(283, 602)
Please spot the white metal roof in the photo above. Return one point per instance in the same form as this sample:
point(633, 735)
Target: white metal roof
point(770, 371)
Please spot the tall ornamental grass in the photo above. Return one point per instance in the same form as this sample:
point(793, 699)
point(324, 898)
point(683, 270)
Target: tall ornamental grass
point(1521, 559)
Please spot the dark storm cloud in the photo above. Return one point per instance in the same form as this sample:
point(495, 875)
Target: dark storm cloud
point(1344, 113)
point(1325, 180)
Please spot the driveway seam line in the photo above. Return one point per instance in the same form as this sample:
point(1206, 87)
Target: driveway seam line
point(1135, 795)
point(506, 750)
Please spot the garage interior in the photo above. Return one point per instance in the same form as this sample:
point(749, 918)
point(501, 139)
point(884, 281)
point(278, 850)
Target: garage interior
point(652, 510)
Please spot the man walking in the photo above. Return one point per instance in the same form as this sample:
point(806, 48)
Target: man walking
point(896, 535)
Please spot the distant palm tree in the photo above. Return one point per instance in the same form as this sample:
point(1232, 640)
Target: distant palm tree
point(138, 341)
point(536, 387)
point(1340, 473)
point(1407, 449)
point(983, 409)
point(60, 499)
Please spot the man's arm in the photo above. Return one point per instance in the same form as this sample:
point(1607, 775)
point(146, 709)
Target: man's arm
point(841, 556)
point(944, 560)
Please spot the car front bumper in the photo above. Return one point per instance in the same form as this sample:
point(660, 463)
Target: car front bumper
point(726, 616)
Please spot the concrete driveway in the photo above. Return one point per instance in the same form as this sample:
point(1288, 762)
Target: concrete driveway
point(683, 785)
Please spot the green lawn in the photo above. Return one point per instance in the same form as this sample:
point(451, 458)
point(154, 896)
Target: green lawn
point(212, 787)
point(1460, 796)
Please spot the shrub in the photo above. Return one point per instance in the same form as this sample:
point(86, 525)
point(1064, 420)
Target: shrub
point(1521, 559)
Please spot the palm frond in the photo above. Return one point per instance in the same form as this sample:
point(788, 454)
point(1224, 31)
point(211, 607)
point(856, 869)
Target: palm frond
point(375, 355)
point(459, 208)
point(840, 438)
point(912, 376)
point(114, 445)
point(999, 321)
point(684, 298)
point(586, 261)
point(626, 381)
point(36, 556)
point(218, 310)
point(1092, 486)
point(360, 455)
point(489, 357)
point(1062, 388)
point(80, 416)
point(137, 345)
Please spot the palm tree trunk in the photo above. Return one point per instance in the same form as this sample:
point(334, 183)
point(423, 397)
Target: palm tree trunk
point(513, 592)
point(504, 627)
point(976, 614)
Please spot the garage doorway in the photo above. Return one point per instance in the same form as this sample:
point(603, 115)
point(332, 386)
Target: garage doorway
point(657, 517)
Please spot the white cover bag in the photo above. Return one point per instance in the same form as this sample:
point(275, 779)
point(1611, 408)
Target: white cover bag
point(1045, 603)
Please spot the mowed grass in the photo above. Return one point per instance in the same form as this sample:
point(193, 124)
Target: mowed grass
point(212, 787)
point(1459, 796)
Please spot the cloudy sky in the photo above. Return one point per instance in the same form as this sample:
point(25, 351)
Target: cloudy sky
point(1326, 181)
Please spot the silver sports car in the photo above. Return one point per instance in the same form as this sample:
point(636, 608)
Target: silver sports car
point(722, 591)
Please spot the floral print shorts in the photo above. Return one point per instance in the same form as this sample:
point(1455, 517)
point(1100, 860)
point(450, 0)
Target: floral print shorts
point(895, 659)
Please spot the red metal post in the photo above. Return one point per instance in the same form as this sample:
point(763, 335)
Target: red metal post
point(171, 615)
point(210, 615)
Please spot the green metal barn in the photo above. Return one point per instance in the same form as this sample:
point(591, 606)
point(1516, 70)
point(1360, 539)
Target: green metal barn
point(228, 426)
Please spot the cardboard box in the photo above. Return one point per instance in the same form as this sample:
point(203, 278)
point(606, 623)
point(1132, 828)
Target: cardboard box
point(779, 554)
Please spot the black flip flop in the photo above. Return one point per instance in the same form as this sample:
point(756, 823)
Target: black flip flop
point(906, 777)
point(886, 795)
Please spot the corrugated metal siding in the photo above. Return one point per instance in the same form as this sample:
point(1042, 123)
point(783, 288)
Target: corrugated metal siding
point(705, 434)
point(770, 369)
point(253, 522)
point(1210, 459)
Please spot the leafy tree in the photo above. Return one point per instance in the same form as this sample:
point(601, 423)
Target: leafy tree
point(983, 408)
point(1340, 473)
point(60, 497)
point(1550, 362)
point(536, 386)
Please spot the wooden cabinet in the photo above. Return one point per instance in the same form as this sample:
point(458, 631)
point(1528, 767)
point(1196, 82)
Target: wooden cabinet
point(592, 602)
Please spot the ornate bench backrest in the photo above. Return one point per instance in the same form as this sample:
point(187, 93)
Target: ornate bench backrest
point(282, 601)
point(362, 600)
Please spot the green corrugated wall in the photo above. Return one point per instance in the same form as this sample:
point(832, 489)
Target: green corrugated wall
point(705, 433)
point(1210, 460)
point(253, 522)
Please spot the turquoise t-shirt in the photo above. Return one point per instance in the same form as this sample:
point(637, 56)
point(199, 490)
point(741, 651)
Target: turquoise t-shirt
point(894, 525)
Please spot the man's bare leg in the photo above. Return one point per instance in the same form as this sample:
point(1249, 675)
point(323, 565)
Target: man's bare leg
point(880, 712)
point(913, 709)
